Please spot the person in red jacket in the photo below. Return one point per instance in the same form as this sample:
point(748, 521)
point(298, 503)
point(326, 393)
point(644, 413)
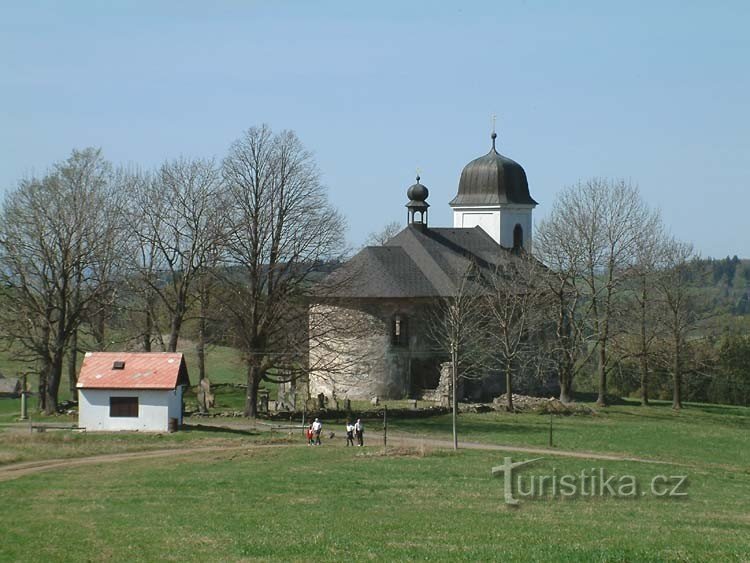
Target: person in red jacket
point(309, 435)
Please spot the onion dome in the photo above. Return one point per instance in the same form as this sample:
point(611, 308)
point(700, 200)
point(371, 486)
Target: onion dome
point(492, 179)
point(417, 194)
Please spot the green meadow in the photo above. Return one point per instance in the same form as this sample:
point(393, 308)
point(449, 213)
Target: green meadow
point(269, 497)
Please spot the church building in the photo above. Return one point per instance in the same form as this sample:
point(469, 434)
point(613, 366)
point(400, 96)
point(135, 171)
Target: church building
point(370, 334)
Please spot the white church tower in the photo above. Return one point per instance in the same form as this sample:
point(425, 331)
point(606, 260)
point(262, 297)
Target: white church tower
point(493, 193)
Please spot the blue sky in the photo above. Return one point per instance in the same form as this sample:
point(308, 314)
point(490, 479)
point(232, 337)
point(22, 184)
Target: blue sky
point(653, 92)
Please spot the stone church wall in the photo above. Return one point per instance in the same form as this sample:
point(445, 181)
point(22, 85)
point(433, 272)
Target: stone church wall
point(353, 354)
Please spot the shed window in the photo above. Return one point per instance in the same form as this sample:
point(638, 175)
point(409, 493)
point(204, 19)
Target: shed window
point(123, 407)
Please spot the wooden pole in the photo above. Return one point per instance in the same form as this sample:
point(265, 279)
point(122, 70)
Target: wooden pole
point(385, 426)
point(454, 397)
point(24, 407)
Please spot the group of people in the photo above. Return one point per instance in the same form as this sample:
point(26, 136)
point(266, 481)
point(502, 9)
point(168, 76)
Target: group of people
point(352, 430)
point(356, 430)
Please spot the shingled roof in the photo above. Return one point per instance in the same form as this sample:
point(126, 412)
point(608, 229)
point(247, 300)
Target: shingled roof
point(417, 262)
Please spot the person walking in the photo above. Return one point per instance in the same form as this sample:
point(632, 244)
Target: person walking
point(317, 427)
point(349, 433)
point(309, 434)
point(359, 431)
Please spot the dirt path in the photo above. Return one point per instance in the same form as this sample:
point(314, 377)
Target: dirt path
point(16, 470)
point(405, 440)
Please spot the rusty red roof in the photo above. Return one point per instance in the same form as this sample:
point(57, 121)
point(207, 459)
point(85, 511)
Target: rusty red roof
point(143, 370)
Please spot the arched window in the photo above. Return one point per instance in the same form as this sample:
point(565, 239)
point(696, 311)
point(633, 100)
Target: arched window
point(518, 236)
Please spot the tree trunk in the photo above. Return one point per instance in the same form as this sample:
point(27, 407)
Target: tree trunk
point(677, 376)
point(644, 345)
point(508, 387)
point(174, 333)
point(72, 361)
point(644, 380)
point(53, 383)
point(56, 368)
point(566, 387)
point(565, 365)
point(602, 368)
point(148, 329)
point(42, 389)
point(200, 349)
point(253, 382)
point(98, 328)
point(201, 344)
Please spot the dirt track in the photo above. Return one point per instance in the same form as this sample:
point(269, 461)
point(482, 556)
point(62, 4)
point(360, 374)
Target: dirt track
point(16, 470)
point(447, 444)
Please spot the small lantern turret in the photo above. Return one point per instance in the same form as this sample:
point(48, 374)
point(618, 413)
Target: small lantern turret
point(417, 206)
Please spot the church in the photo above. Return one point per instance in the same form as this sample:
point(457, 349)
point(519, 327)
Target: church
point(369, 334)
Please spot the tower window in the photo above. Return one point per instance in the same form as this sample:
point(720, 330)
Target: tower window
point(399, 336)
point(517, 236)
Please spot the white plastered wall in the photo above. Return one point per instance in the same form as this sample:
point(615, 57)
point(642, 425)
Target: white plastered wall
point(155, 408)
point(497, 221)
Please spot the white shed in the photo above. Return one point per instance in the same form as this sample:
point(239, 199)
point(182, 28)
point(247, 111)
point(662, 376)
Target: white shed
point(131, 391)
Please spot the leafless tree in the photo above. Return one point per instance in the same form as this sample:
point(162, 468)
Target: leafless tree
point(518, 311)
point(557, 246)
point(459, 325)
point(175, 218)
point(379, 238)
point(681, 311)
point(640, 315)
point(281, 229)
point(144, 263)
point(605, 219)
point(51, 245)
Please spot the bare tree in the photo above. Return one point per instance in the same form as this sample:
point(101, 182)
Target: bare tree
point(379, 238)
point(144, 263)
point(281, 229)
point(681, 311)
point(558, 247)
point(175, 219)
point(51, 240)
point(517, 307)
point(605, 219)
point(458, 324)
point(640, 313)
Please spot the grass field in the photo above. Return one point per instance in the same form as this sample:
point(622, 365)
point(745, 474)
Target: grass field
point(705, 434)
point(291, 502)
point(298, 503)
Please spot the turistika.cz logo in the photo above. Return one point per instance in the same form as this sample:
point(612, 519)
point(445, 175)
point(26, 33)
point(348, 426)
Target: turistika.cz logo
point(589, 482)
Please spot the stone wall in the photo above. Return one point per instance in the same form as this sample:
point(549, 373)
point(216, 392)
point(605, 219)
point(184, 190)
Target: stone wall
point(352, 354)
point(443, 393)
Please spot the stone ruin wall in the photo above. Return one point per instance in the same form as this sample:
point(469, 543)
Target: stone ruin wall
point(351, 355)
